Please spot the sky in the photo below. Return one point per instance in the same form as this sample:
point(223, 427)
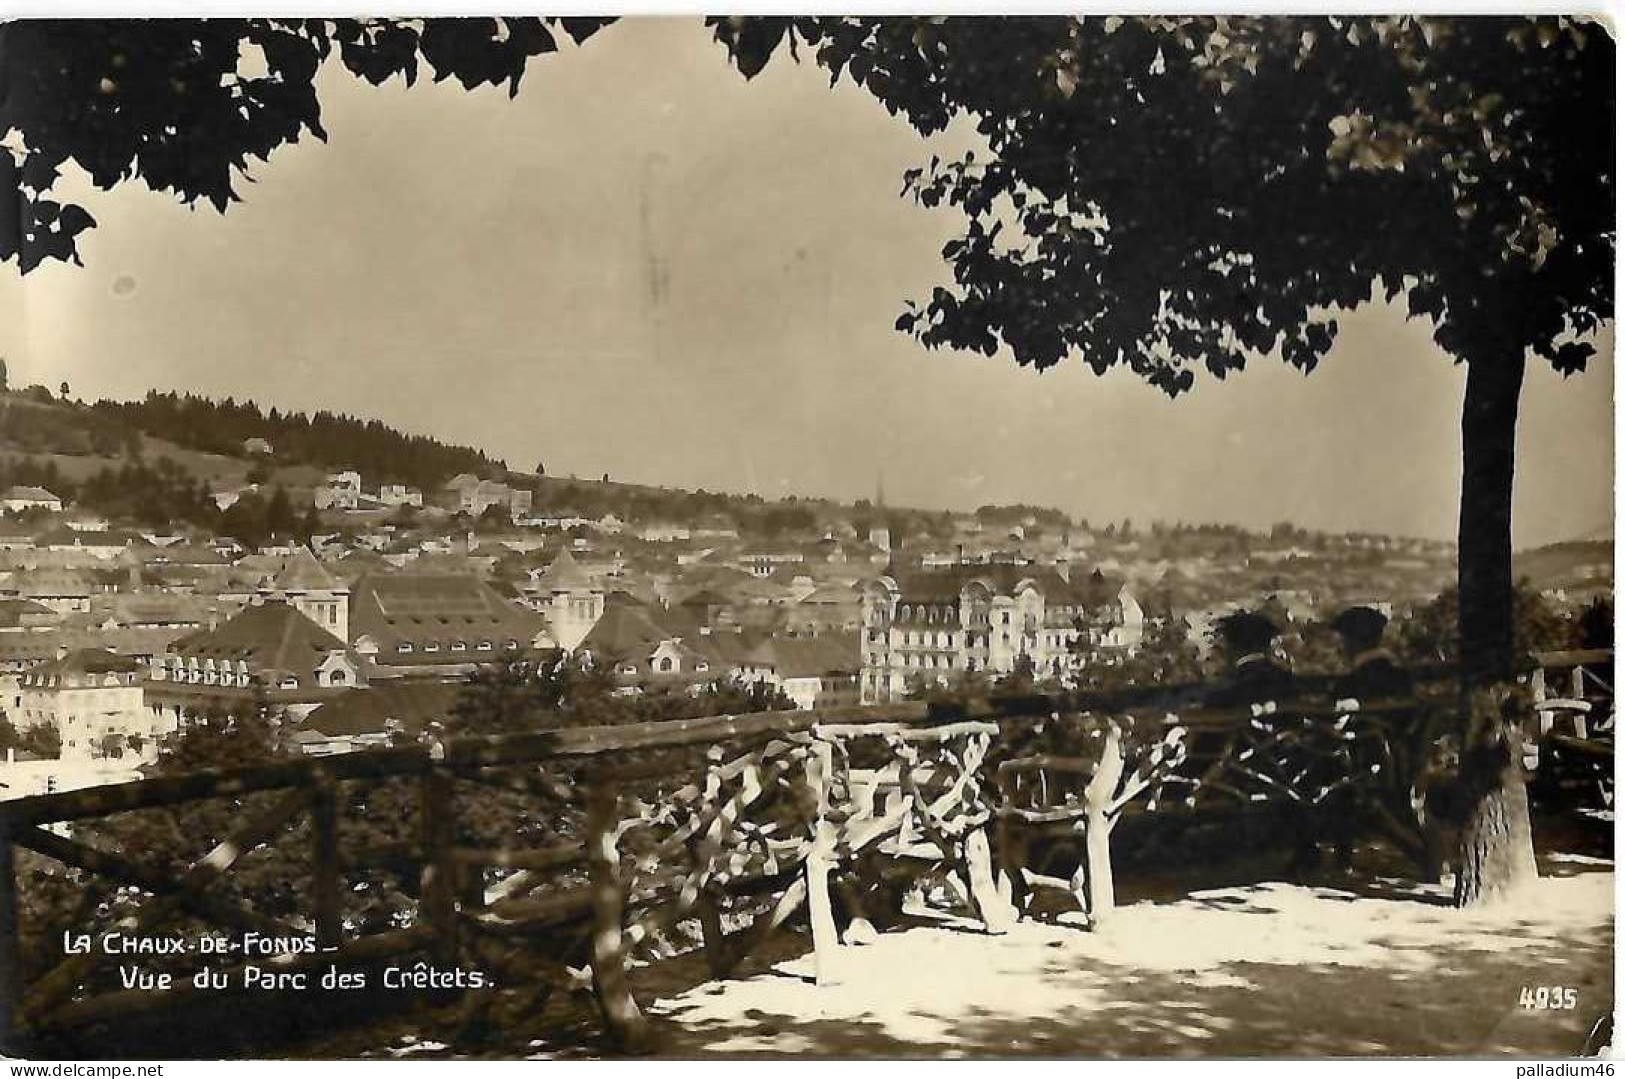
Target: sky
point(646, 266)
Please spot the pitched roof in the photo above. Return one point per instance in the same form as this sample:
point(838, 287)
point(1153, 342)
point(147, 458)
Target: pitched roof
point(63, 536)
point(411, 706)
point(14, 611)
point(627, 630)
point(37, 494)
point(807, 657)
point(269, 636)
point(705, 597)
point(831, 595)
point(81, 661)
point(945, 584)
point(564, 573)
point(395, 607)
point(53, 582)
point(301, 572)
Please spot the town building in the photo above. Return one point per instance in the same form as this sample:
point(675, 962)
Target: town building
point(99, 544)
point(342, 491)
point(814, 672)
point(467, 493)
point(305, 584)
point(399, 494)
point(24, 776)
point(18, 499)
point(65, 591)
point(436, 625)
point(930, 625)
point(24, 615)
point(572, 601)
point(386, 714)
point(267, 653)
point(93, 699)
point(643, 650)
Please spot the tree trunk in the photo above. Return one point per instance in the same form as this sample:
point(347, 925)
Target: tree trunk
point(1497, 846)
point(1497, 849)
point(1489, 430)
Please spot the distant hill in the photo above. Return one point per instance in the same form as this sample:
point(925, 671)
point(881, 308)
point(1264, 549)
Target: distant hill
point(324, 439)
point(1581, 564)
point(159, 457)
point(158, 461)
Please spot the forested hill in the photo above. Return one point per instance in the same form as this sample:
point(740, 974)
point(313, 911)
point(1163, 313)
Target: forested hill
point(324, 439)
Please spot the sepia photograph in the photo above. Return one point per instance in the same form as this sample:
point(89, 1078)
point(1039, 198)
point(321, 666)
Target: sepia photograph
point(633, 537)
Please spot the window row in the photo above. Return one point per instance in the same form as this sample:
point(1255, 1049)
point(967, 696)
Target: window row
point(405, 647)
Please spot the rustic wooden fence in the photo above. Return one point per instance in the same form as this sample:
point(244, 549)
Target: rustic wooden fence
point(731, 824)
point(887, 780)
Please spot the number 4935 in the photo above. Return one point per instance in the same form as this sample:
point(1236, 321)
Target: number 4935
point(1548, 998)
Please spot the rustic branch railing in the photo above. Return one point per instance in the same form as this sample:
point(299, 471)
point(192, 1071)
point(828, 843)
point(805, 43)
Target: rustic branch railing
point(310, 787)
point(794, 810)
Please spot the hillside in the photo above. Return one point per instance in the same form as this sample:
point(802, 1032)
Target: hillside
point(72, 447)
point(158, 461)
point(1576, 565)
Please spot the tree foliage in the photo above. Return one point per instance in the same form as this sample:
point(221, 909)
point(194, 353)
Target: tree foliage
point(184, 106)
point(1432, 635)
point(323, 439)
point(1173, 194)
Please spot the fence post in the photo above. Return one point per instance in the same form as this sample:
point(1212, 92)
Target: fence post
point(623, 1019)
point(820, 861)
point(11, 967)
point(324, 858)
point(438, 890)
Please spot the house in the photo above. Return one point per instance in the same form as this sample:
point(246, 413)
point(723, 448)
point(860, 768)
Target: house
point(256, 447)
point(268, 652)
point(341, 491)
point(64, 591)
point(154, 610)
point(399, 494)
point(18, 499)
point(81, 519)
point(467, 493)
point(815, 672)
point(21, 615)
point(828, 608)
point(227, 495)
point(99, 544)
point(664, 533)
point(436, 624)
point(763, 562)
point(93, 698)
point(641, 649)
point(385, 714)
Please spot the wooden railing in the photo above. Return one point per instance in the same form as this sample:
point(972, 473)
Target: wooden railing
point(727, 826)
point(919, 797)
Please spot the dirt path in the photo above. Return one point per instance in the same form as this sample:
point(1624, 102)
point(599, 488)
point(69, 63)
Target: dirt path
point(1261, 970)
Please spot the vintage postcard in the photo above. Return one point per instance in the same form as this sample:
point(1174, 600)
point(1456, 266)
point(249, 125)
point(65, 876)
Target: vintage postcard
point(809, 537)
